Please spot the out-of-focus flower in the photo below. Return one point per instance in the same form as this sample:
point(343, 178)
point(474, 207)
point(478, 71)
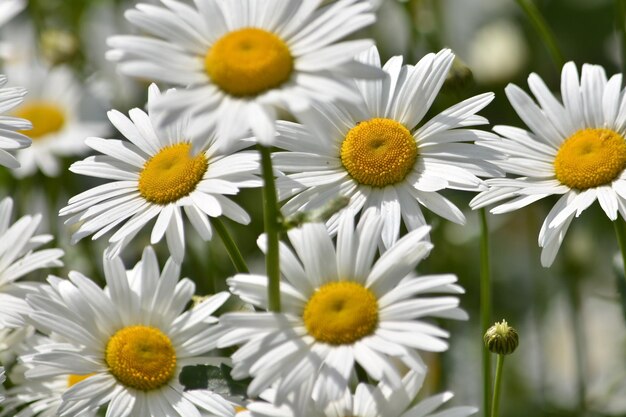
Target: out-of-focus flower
point(244, 60)
point(129, 341)
point(498, 52)
point(9, 8)
point(340, 308)
point(380, 155)
point(575, 149)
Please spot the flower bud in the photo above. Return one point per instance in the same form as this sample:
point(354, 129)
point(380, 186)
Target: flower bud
point(501, 338)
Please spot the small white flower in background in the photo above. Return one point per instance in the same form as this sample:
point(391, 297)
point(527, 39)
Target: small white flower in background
point(244, 60)
point(377, 154)
point(18, 257)
point(156, 174)
point(2, 379)
point(575, 149)
point(367, 401)
point(340, 308)
point(10, 127)
point(129, 341)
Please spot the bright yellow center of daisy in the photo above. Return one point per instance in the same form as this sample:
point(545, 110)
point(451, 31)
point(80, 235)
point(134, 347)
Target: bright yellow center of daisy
point(45, 117)
point(590, 158)
point(248, 62)
point(74, 379)
point(171, 174)
point(379, 152)
point(141, 357)
point(341, 313)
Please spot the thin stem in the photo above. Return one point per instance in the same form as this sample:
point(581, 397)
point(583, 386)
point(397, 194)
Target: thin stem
point(580, 346)
point(543, 30)
point(485, 304)
point(230, 245)
point(270, 220)
point(621, 25)
point(621, 239)
point(495, 404)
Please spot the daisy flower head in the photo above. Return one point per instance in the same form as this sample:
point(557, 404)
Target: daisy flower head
point(129, 341)
point(38, 397)
point(368, 401)
point(340, 307)
point(156, 174)
point(575, 149)
point(54, 108)
point(11, 127)
point(379, 154)
point(243, 60)
point(18, 257)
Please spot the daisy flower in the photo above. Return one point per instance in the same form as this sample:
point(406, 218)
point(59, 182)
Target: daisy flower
point(18, 257)
point(367, 401)
point(242, 60)
point(41, 397)
point(10, 127)
point(55, 105)
point(156, 175)
point(575, 149)
point(340, 308)
point(130, 340)
point(380, 154)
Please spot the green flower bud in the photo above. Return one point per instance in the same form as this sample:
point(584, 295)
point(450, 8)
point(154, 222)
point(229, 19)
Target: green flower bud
point(501, 338)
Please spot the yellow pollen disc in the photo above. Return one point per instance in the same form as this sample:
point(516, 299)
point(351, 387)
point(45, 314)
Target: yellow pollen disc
point(341, 313)
point(141, 357)
point(74, 379)
point(171, 174)
point(46, 118)
point(239, 409)
point(248, 62)
point(379, 152)
point(590, 158)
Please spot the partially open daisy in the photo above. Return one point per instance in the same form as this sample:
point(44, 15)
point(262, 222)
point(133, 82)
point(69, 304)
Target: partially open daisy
point(575, 149)
point(53, 107)
point(380, 155)
point(10, 127)
point(367, 401)
point(126, 345)
point(156, 175)
point(340, 308)
point(18, 257)
point(242, 60)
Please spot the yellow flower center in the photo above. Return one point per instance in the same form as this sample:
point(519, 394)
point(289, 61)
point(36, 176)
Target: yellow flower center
point(74, 379)
point(141, 357)
point(341, 313)
point(171, 174)
point(379, 152)
point(248, 62)
point(45, 117)
point(590, 158)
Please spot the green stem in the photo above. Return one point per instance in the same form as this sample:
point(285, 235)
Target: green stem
point(621, 24)
point(621, 239)
point(495, 404)
point(271, 216)
point(543, 30)
point(485, 304)
point(230, 245)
